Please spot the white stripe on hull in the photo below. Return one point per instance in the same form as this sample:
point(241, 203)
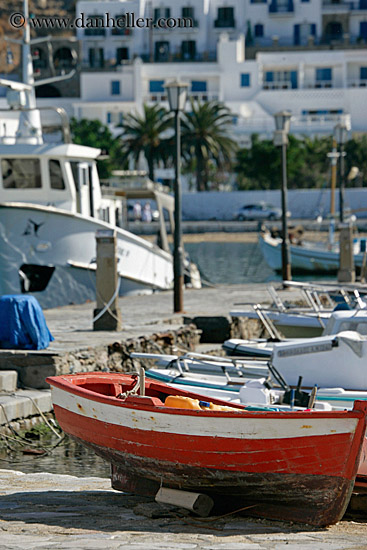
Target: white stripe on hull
point(197, 425)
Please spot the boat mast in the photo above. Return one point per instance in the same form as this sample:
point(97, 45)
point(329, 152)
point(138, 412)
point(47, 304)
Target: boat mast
point(30, 128)
point(21, 95)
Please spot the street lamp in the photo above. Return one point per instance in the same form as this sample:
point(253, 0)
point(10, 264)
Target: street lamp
point(341, 137)
point(282, 125)
point(177, 97)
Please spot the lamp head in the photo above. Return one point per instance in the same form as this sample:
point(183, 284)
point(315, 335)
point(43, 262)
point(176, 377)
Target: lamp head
point(177, 95)
point(283, 121)
point(341, 134)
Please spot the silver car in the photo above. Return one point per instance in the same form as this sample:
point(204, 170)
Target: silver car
point(258, 211)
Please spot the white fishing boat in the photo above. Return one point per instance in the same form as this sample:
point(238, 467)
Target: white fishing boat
point(52, 205)
point(307, 255)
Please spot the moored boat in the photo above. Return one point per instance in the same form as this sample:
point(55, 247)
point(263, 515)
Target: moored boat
point(295, 466)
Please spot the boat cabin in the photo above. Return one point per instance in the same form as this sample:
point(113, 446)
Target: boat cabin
point(64, 176)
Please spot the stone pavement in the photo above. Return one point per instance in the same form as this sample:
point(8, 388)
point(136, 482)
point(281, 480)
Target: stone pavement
point(46, 511)
point(72, 325)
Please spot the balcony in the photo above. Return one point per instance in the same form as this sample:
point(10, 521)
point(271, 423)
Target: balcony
point(224, 24)
point(281, 8)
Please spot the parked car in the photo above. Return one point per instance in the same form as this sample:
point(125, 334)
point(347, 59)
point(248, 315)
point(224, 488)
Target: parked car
point(258, 211)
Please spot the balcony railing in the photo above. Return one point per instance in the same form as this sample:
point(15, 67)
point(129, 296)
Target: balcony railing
point(357, 83)
point(97, 32)
point(224, 24)
point(121, 32)
point(280, 85)
point(321, 84)
point(329, 5)
point(196, 96)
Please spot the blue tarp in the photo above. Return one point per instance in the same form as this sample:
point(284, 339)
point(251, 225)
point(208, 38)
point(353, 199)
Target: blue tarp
point(22, 323)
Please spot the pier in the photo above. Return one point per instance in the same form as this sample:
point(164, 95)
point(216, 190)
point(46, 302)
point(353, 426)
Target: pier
point(46, 510)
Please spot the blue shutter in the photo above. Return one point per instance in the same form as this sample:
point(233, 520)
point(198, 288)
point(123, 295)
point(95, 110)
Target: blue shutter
point(363, 73)
point(198, 86)
point(156, 86)
point(115, 87)
point(294, 80)
point(313, 29)
point(297, 35)
point(363, 29)
point(269, 76)
point(109, 118)
point(259, 30)
point(245, 80)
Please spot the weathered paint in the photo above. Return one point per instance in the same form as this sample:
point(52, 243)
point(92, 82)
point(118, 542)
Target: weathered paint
point(297, 466)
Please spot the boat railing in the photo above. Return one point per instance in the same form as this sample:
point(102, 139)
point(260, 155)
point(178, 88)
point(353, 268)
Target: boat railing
point(267, 323)
point(65, 126)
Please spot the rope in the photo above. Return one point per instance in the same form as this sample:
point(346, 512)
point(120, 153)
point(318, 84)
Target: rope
point(35, 406)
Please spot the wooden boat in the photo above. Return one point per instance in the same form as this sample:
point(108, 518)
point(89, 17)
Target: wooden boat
point(295, 466)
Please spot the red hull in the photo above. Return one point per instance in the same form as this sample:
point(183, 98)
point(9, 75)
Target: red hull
point(298, 478)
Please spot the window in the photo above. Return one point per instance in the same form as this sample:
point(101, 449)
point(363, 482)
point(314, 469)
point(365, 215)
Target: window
point(21, 173)
point(324, 74)
point(56, 177)
point(225, 18)
point(96, 58)
point(115, 87)
point(281, 80)
point(245, 80)
point(363, 30)
point(161, 51)
point(188, 49)
point(259, 30)
point(156, 86)
point(198, 86)
point(363, 73)
point(188, 12)
point(122, 54)
point(162, 12)
point(95, 24)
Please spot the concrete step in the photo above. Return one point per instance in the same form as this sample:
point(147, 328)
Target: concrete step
point(8, 380)
point(24, 403)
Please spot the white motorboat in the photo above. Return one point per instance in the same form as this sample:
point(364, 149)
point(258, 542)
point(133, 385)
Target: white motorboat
point(51, 206)
point(339, 321)
point(329, 361)
point(307, 256)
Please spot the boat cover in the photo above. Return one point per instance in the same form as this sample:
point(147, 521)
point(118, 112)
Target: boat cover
point(22, 324)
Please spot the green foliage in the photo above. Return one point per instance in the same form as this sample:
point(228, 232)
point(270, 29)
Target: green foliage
point(144, 134)
point(205, 139)
point(356, 150)
point(95, 134)
point(308, 166)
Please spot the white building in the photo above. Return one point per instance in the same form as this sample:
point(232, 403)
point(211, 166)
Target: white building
point(319, 90)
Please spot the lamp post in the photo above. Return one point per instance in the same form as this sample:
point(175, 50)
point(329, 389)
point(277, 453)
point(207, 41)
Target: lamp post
point(341, 137)
point(282, 125)
point(177, 96)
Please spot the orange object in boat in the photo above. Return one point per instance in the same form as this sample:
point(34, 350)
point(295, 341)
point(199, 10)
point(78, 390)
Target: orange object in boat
point(182, 402)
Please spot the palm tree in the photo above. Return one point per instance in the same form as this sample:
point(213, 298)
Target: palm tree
point(205, 138)
point(144, 134)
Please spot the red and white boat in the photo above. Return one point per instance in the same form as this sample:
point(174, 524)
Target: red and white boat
point(294, 465)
